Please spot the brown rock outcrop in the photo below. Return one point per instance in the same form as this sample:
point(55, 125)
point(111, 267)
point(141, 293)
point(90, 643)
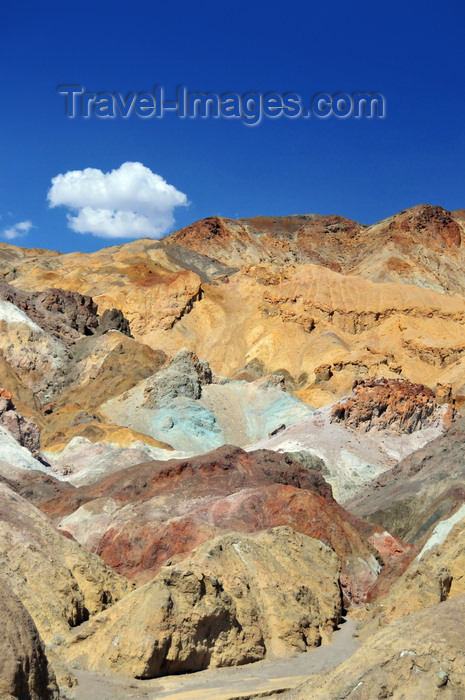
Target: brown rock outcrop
point(35, 486)
point(65, 314)
point(233, 600)
point(394, 404)
point(25, 673)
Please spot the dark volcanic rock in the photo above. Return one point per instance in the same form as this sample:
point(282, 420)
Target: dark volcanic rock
point(66, 315)
point(114, 320)
point(61, 312)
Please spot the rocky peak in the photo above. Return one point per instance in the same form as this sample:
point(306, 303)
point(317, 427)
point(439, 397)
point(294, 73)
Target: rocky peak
point(431, 223)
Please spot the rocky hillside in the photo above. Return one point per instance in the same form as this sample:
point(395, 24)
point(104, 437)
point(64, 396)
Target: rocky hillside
point(354, 301)
point(139, 518)
point(234, 600)
point(215, 446)
point(420, 490)
point(421, 656)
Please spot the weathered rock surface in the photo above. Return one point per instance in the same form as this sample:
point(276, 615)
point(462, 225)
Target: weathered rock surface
point(11, 452)
point(114, 320)
point(58, 434)
point(58, 582)
point(420, 490)
point(421, 245)
point(56, 352)
point(309, 303)
point(66, 315)
point(419, 657)
point(102, 367)
point(359, 302)
point(185, 406)
point(35, 486)
point(25, 673)
point(232, 601)
point(394, 404)
point(184, 376)
point(61, 377)
point(353, 456)
point(23, 430)
point(436, 573)
point(138, 518)
point(83, 462)
point(31, 352)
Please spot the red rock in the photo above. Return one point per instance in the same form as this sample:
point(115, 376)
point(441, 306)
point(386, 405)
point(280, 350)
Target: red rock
point(396, 404)
point(179, 504)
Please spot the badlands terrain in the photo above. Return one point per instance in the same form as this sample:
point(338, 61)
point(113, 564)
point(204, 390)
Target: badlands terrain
point(232, 463)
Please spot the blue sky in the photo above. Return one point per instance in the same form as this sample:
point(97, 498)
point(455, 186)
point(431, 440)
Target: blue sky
point(413, 53)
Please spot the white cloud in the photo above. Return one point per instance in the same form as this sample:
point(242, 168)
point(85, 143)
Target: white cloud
point(18, 230)
point(129, 202)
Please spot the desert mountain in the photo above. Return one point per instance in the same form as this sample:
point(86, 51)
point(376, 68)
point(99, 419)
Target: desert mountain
point(214, 446)
point(320, 300)
point(139, 518)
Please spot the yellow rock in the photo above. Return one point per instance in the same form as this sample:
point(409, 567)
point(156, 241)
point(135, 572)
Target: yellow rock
point(233, 600)
point(58, 581)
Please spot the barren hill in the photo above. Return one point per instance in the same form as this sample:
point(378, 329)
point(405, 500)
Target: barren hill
point(321, 300)
point(214, 445)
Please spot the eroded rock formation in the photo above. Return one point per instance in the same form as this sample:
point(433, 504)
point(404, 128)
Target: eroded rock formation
point(178, 504)
point(237, 554)
point(22, 429)
point(234, 600)
point(59, 582)
point(420, 490)
point(394, 404)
